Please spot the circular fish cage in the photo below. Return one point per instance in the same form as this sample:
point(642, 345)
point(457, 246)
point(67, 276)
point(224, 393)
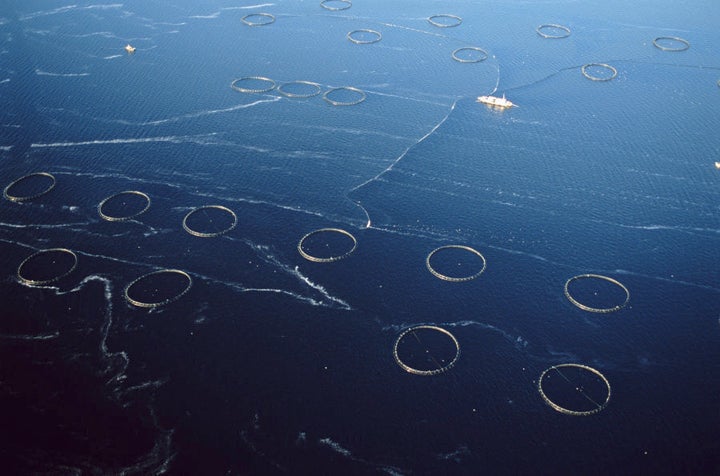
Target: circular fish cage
point(204, 210)
point(436, 365)
point(675, 43)
point(152, 288)
point(553, 31)
point(455, 279)
point(34, 269)
point(301, 247)
point(586, 67)
point(24, 181)
point(577, 384)
point(269, 84)
point(314, 89)
point(336, 5)
point(482, 54)
point(601, 310)
point(440, 20)
point(329, 100)
point(356, 36)
point(258, 19)
point(122, 196)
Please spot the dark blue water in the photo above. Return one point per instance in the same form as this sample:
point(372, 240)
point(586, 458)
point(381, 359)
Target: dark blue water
point(273, 364)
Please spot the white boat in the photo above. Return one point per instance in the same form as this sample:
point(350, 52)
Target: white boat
point(496, 101)
point(129, 48)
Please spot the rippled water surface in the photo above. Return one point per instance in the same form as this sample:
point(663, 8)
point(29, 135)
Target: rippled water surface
point(262, 360)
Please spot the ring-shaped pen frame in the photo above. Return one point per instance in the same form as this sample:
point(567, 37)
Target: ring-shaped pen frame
point(19, 198)
point(568, 411)
point(41, 282)
point(378, 36)
point(603, 310)
point(685, 44)
point(431, 20)
point(317, 89)
point(269, 19)
point(599, 78)
point(470, 48)
point(107, 217)
point(202, 234)
point(347, 3)
point(565, 29)
point(330, 259)
point(415, 371)
point(452, 278)
point(326, 96)
point(253, 90)
point(152, 305)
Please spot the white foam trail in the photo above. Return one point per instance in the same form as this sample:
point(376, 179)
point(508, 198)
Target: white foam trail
point(407, 98)
point(54, 335)
point(457, 455)
point(219, 12)
point(667, 280)
point(41, 225)
point(6, 80)
point(517, 341)
point(112, 57)
point(157, 461)
point(398, 159)
point(201, 139)
point(40, 72)
point(200, 113)
point(335, 446)
point(416, 30)
point(683, 229)
point(69, 8)
point(309, 300)
point(6, 148)
point(253, 201)
point(338, 448)
point(321, 289)
point(264, 253)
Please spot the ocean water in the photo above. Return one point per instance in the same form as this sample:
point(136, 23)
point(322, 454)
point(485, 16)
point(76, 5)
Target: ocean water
point(274, 364)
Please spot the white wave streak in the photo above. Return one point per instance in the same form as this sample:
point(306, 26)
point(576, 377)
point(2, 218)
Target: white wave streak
point(219, 12)
point(263, 252)
point(202, 139)
point(108, 357)
point(338, 448)
point(41, 225)
point(416, 30)
point(6, 148)
point(517, 341)
point(113, 370)
point(335, 446)
point(683, 229)
point(40, 72)
point(253, 201)
point(6, 80)
point(158, 459)
point(399, 158)
point(112, 57)
point(407, 98)
point(320, 289)
point(667, 280)
point(54, 335)
point(69, 8)
point(193, 115)
point(309, 300)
